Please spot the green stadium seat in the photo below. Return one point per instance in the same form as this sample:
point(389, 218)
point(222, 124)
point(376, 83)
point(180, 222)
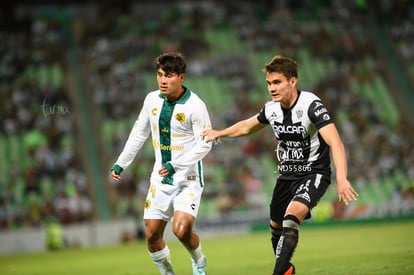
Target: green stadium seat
point(224, 40)
point(390, 112)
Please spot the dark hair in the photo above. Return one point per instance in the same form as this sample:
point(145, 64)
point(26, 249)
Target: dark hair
point(284, 65)
point(172, 62)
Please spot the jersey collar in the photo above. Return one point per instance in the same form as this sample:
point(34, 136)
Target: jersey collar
point(183, 99)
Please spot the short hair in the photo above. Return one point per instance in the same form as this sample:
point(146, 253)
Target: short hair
point(284, 65)
point(172, 62)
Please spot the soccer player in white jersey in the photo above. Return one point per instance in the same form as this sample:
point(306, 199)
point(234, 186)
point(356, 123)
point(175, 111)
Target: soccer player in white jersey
point(175, 116)
point(305, 136)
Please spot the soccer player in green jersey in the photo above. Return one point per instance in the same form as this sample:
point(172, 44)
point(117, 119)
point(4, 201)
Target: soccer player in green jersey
point(175, 117)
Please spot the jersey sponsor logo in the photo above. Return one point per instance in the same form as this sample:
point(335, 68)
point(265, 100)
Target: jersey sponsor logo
point(178, 135)
point(163, 147)
point(290, 129)
point(171, 147)
point(293, 144)
point(285, 154)
point(180, 117)
point(320, 111)
point(296, 144)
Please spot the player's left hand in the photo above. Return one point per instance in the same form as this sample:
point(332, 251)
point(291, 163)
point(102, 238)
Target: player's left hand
point(346, 193)
point(163, 172)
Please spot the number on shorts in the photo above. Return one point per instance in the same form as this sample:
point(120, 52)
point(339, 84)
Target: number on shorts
point(152, 191)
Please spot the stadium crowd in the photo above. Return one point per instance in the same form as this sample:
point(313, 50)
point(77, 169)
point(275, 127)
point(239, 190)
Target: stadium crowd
point(41, 176)
point(118, 49)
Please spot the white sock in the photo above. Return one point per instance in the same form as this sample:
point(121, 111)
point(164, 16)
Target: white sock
point(197, 255)
point(162, 260)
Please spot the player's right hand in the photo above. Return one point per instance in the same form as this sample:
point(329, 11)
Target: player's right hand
point(209, 135)
point(115, 175)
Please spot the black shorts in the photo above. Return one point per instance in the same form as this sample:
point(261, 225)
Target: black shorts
point(308, 190)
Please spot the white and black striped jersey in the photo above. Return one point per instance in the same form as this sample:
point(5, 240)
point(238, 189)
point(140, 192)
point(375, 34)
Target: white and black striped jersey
point(300, 149)
point(176, 129)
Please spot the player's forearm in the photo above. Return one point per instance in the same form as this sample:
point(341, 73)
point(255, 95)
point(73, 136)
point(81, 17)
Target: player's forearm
point(339, 159)
point(129, 152)
point(238, 129)
point(136, 140)
point(197, 153)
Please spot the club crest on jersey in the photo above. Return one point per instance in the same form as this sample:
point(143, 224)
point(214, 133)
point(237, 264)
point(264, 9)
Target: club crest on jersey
point(299, 113)
point(180, 117)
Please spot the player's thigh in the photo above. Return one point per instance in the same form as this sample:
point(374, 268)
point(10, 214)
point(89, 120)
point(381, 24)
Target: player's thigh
point(282, 195)
point(188, 199)
point(182, 224)
point(159, 202)
point(311, 189)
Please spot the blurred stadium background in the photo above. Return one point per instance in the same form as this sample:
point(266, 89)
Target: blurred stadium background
point(73, 76)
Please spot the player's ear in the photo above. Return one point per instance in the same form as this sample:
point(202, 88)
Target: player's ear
point(293, 80)
point(182, 76)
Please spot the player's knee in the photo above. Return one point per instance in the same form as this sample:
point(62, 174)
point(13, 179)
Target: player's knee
point(275, 231)
point(153, 236)
point(275, 225)
point(182, 231)
point(291, 221)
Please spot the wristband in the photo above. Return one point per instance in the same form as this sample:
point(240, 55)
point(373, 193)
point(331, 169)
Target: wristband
point(170, 168)
point(118, 169)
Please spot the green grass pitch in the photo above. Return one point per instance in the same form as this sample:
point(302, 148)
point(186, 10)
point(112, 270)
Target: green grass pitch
point(373, 248)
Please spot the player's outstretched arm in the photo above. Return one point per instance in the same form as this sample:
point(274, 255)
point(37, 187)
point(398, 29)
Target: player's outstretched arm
point(239, 129)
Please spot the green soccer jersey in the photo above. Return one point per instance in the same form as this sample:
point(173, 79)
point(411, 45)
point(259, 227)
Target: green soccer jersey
point(176, 129)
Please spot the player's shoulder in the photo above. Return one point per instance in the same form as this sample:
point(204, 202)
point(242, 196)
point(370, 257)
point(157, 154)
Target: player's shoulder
point(309, 96)
point(272, 104)
point(153, 97)
point(194, 99)
point(194, 96)
point(153, 94)
point(271, 109)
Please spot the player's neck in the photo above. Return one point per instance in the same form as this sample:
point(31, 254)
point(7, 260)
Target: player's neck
point(291, 100)
point(176, 96)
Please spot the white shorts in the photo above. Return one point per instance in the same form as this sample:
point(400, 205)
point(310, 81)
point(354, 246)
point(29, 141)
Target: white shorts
point(164, 199)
